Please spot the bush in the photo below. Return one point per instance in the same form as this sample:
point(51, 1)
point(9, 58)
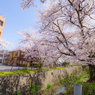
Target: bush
point(41, 65)
point(66, 63)
point(26, 68)
point(87, 69)
point(54, 65)
point(24, 65)
point(38, 65)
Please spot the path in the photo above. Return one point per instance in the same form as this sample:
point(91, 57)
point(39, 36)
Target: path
point(8, 68)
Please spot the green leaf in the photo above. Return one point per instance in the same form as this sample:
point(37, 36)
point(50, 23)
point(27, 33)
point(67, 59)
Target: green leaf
point(33, 85)
point(48, 86)
point(33, 90)
point(28, 88)
point(18, 92)
point(37, 86)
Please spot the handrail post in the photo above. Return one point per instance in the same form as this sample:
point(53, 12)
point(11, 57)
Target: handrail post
point(77, 89)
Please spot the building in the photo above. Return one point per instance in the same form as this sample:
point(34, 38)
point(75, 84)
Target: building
point(2, 21)
point(2, 56)
point(16, 58)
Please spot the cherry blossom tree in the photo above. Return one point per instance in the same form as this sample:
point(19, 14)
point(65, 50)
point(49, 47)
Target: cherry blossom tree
point(4, 44)
point(32, 50)
point(67, 29)
point(27, 3)
point(36, 49)
point(71, 23)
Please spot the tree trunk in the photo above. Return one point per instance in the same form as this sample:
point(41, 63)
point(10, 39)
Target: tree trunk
point(92, 72)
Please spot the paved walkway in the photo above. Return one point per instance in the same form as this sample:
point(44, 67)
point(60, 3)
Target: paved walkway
point(4, 68)
point(8, 68)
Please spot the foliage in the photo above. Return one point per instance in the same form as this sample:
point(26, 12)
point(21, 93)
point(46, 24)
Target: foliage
point(66, 63)
point(27, 3)
point(48, 87)
point(88, 88)
point(71, 80)
point(26, 68)
point(4, 43)
point(37, 63)
point(18, 92)
point(40, 65)
point(24, 65)
point(32, 90)
point(22, 72)
point(68, 80)
point(66, 30)
point(87, 68)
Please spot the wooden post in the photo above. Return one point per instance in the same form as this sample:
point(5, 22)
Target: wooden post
point(77, 89)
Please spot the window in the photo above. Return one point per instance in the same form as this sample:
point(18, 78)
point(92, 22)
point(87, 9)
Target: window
point(20, 53)
point(1, 23)
point(16, 54)
point(12, 54)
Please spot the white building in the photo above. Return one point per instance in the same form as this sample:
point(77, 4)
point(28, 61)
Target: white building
point(1, 57)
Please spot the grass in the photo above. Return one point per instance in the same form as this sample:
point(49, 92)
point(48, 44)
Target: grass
point(53, 89)
point(23, 72)
point(55, 86)
point(88, 88)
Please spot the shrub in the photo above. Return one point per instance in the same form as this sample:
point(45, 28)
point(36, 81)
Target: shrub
point(41, 65)
point(38, 65)
point(33, 90)
point(40, 69)
point(26, 68)
point(54, 65)
point(66, 63)
point(88, 88)
point(87, 68)
point(68, 80)
point(24, 65)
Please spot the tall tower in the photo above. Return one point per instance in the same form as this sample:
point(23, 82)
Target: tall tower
point(2, 21)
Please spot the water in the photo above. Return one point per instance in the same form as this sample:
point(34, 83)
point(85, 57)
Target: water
point(61, 90)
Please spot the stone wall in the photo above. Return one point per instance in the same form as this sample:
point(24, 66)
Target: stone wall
point(22, 82)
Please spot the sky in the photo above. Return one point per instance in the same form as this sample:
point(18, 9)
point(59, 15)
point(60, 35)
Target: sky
point(16, 20)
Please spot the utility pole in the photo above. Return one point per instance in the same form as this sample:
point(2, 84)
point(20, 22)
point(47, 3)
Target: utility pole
point(3, 56)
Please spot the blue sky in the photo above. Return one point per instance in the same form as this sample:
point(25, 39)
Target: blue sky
point(16, 19)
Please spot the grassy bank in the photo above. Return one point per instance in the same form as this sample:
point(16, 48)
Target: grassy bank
point(57, 86)
point(23, 72)
point(88, 88)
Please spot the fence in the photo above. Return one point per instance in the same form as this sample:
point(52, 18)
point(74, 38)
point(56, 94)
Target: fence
point(77, 89)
